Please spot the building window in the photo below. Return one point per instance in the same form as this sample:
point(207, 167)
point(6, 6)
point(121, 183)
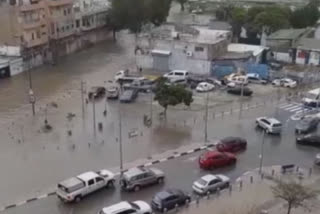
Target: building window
point(32, 36)
point(72, 25)
point(62, 29)
point(65, 12)
point(69, 10)
point(77, 23)
point(58, 30)
point(199, 49)
point(38, 34)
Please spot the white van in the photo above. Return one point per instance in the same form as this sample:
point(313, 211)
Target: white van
point(311, 98)
point(176, 75)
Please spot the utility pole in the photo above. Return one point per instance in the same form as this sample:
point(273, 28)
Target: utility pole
point(94, 113)
point(261, 151)
point(82, 98)
point(241, 96)
point(120, 143)
point(206, 119)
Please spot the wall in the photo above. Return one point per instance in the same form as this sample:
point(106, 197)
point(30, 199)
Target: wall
point(16, 66)
point(282, 57)
point(313, 57)
point(9, 50)
point(9, 25)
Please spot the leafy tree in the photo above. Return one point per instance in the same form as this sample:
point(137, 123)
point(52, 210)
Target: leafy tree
point(172, 95)
point(272, 19)
point(306, 16)
point(182, 3)
point(133, 14)
point(293, 193)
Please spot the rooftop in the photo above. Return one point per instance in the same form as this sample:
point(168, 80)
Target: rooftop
point(242, 48)
point(187, 33)
point(288, 33)
point(309, 44)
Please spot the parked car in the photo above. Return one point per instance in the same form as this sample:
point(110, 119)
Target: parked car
point(309, 140)
point(144, 85)
point(125, 207)
point(193, 81)
point(317, 159)
point(123, 76)
point(129, 96)
point(138, 177)
point(237, 79)
point(169, 199)
point(237, 91)
point(255, 78)
point(275, 66)
point(75, 188)
point(210, 183)
point(215, 159)
point(269, 124)
point(181, 82)
point(285, 82)
point(176, 75)
point(97, 92)
point(113, 92)
point(307, 125)
point(204, 87)
point(231, 144)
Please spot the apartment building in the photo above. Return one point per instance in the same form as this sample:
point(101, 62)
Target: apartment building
point(43, 30)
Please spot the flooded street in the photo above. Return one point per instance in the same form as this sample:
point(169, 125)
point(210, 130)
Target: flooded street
point(43, 158)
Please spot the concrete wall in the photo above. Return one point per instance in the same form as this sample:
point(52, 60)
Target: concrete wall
point(313, 57)
point(16, 66)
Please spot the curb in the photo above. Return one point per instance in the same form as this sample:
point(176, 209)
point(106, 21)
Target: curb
point(171, 157)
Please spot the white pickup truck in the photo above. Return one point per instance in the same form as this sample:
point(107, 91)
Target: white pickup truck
point(75, 188)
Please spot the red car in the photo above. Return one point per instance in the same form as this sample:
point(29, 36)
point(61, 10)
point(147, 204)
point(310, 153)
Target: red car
point(232, 144)
point(215, 159)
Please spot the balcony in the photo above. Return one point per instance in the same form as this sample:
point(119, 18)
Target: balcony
point(30, 7)
point(56, 3)
point(33, 43)
point(34, 24)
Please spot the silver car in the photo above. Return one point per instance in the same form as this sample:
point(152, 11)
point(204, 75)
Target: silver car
point(270, 125)
point(210, 183)
point(136, 178)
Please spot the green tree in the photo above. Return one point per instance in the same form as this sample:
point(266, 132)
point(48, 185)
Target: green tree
point(293, 193)
point(182, 3)
point(133, 14)
point(172, 95)
point(306, 16)
point(271, 19)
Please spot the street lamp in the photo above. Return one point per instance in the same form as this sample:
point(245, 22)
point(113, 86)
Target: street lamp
point(206, 119)
point(32, 100)
point(120, 143)
point(261, 151)
point(94, 113)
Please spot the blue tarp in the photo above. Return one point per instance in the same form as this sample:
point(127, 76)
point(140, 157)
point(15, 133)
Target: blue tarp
point(261, 69)
point(219, 70)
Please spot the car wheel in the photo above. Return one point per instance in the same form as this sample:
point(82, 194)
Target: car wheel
point(110, 183)
point(160, 180)
point(187, 201)
point(267, 131)
point(136, 188)
point(77, 199)
point(226, 185)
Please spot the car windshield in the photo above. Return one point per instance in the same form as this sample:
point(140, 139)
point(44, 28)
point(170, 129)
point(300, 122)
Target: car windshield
point(202, 182)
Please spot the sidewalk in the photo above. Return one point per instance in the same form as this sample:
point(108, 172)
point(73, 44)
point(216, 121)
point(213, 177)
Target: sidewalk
point(255, 197)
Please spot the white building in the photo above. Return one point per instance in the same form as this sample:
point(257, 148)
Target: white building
point(308, 52)
point(172, 47)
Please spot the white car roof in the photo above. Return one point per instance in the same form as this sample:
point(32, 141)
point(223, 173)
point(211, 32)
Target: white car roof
point(116, 208)
point(208, 177)
point(87, 176)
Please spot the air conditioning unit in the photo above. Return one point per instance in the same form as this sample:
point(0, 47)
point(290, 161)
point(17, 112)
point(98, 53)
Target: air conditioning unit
point(175, 35)
point(189, 53)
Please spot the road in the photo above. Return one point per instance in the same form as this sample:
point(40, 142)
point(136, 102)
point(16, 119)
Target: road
point(183, 171)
